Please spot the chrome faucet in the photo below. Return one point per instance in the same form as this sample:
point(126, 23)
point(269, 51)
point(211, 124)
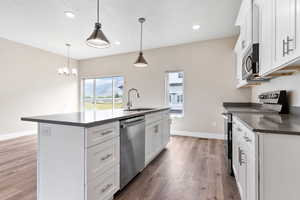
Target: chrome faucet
point(129, 102)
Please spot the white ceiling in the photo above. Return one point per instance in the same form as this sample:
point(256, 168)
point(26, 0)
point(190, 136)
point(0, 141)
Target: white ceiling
point(42, 23)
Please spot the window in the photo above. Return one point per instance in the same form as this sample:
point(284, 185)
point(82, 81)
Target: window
point(175, 92)
point(103, 93)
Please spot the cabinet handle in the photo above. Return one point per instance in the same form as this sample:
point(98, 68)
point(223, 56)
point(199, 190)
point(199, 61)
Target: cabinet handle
point(106, 132)
point(284, 52)
point(289, 39)
point(241, 158)
point(156, 129)
point(106, 157)
point(239, 155)
point(247, 139)
point(243, 44)
point(106, 187)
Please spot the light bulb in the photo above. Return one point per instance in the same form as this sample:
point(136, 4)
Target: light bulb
point(60, 71)
point(74, 71)
point(66, 71)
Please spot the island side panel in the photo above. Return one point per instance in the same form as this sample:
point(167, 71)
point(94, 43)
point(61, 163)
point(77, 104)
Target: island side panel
point(61, 160)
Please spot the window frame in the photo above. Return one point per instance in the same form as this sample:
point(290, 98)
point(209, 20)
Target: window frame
point(167, 92)
point(82, 79)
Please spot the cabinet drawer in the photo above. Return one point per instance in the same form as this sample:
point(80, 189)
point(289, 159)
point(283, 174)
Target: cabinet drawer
point(101, 156)
point(104, 186)
point(150, 118)
point(98, 134)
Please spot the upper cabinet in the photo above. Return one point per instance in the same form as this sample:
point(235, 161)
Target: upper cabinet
point(275, 25)
point(266, 38)
point(245, 40)
point(244, 21)
point(286, 48)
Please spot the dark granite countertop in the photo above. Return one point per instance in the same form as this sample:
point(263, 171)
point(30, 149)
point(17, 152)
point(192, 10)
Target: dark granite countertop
point(271, 123)
point(265, 121)
point(245, 108)
point(90, 118)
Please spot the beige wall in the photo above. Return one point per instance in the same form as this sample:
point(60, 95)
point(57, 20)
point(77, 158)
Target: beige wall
point(289, 83)
point(29, 85)
point(209, 79)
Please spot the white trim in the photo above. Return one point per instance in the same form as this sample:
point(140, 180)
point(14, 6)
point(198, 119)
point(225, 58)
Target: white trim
point(16, 135)
point(219, 136)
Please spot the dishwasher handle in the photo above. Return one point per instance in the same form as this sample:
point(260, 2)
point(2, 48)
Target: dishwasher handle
point(132, 123)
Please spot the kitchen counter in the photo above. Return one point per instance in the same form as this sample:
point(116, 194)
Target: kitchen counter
point(271, 123)
point(244, 108)
point(264, 121)
point(90, 118)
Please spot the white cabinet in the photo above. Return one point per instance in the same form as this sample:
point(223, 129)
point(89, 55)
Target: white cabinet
point(157, 134)
point(78, 163)
point(166, 128)
point(266, 35)
point(235, 153)
point(244, 21)
point(279, 33)
point(285, 31)
point(244, 163)
point(266, 165)
point(245, 40)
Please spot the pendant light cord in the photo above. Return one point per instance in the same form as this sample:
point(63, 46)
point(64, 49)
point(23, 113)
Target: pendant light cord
point(68, 64)
point(98, 11)
point(141, 44)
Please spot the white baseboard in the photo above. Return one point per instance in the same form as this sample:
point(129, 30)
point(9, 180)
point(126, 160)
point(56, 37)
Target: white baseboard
point(218, 136)
point(16, 135)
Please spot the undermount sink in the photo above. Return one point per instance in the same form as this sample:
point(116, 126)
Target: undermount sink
point(139, 109)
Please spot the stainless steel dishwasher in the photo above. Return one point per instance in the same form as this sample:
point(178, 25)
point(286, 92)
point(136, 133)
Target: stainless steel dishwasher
point(132, 147)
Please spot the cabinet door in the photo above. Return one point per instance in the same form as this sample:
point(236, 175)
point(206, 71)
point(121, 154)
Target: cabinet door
point(158, 135)
point(285, 23)
point(166, 130)
point(251, 169)
point(266, 35)
point(242, 183)
point(153, 140)
point(238, 61)
point(235, 158)
point(248, 28)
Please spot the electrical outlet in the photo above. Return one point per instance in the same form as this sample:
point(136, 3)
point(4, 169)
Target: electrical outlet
point(214, 124)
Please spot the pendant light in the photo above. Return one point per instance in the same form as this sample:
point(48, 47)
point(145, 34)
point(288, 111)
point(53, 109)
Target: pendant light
point(67, 70)
point(141, 61)
point(97, 39)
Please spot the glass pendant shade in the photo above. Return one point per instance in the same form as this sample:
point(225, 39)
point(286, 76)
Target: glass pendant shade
point(97, 39)
point(141, 61)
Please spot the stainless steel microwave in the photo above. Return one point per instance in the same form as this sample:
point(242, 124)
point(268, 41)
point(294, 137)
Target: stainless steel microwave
point(250, 66)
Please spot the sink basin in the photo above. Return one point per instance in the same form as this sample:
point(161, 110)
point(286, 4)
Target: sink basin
point(139, 109)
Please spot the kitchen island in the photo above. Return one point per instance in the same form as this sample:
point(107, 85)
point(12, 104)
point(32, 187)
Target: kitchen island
point(79, 153)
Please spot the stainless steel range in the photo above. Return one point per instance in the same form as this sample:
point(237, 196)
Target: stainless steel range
point(274, 102)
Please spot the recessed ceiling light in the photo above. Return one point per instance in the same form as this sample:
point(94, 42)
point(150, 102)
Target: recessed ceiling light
point(196, 27)
point(117, 42)
point(69, 14)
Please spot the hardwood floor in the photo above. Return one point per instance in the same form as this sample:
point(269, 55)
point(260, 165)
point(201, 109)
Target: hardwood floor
point(18, 169)
point(189, 169)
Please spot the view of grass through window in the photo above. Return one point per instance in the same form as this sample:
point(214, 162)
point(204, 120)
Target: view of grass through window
point(103, 93)
point(175, 92)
